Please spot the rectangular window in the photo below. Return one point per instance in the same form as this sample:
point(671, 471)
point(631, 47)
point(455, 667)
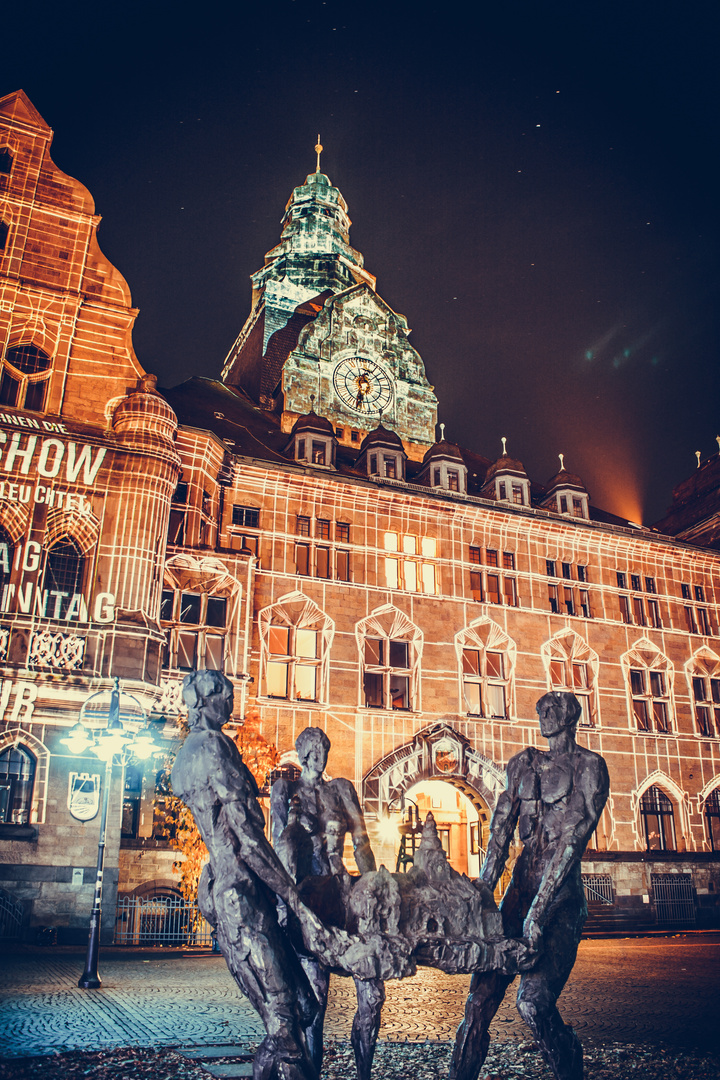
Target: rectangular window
point(518, 494)
point(399, 691)
point(301, 449)
point(373, 464)
point(654, 614)
point(322, 562)
point(373, 689)
point(180, 495)
point(639, 610)
point(700, 594)
point(685, 590)
point(553, 599)
point(621, 579)
point(585, 604)
point(453, 480)
point(176, 527)
point(640, 711)
point(690, 620)
point(704, 622)
point(660, 715)
point(508, 560)
point(322, 529)
point(436, 478)
point(278, 640)
point(635, 582)
point(550, 568)
point(409, 545)
point(495, 665)
point(318, 453)
point(475, 554)
point(249, 516)
point(578, 509)
point(563, 504)
point(303, 526)
point(582, 573)
point(510, 591)
point(491, 557)
point(502, 489)
point(339, 432)
point(216, 611)
point(650, 585)
point(354, 435)
point(391, 468)
point(187, 650)
point(566, 570)
point(305, 683)
point(429, 584)
point(248, 543)
point(399, 654)
point(569, 600)
point(277, 679)
point(496, 700)
point(476, 586)
point(702, 715)
point(428, 547)
point(190, 608)
point(390, 541)
point(472, 698)
point(215, 652)
point(302, 559)
point(410, 576)
point(374, 650)
point(342, 532)
point(343, 565)
point(625, 609)
point(167, 599)
point(391, 573)
point(493, 588)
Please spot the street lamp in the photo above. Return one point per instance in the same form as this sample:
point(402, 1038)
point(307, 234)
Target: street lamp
point(112, 743)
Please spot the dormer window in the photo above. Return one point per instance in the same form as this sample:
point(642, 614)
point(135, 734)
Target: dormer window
point(314, 443)
point(572, 503)
point(513, 490)
point(444, 468)
point(319, 450)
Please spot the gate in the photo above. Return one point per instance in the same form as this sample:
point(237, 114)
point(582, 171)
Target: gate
point(11, 917)
point(598, 888)
point(674, 897)
point(160, 920)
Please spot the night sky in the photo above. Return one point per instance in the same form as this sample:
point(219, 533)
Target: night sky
point(535, 186)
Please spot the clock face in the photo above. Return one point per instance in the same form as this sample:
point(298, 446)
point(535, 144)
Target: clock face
point(362, 385)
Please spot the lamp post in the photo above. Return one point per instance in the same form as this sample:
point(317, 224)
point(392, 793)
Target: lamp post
point(111, 743)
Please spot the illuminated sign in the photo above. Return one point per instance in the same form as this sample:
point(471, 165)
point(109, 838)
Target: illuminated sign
point(24, 695)
point(50, 457)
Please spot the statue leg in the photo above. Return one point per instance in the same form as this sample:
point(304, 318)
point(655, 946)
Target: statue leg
point(319, 979)
point(487, 989)
point(366, 1025)
point(540, 989)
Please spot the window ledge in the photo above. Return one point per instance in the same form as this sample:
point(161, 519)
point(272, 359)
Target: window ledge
point(18, 832)
point(290, 703)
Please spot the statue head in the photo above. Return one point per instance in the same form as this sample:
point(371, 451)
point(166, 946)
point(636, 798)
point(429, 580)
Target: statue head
point(209, 698)
point(557, 711)
point(313, 747)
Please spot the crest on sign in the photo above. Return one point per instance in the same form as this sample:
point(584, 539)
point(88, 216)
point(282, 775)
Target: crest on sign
point(83, 795)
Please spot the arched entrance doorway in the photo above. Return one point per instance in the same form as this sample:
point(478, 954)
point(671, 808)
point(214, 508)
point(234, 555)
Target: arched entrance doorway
point(437, 771)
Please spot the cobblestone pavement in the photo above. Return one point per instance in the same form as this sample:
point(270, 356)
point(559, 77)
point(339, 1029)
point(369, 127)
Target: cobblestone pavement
point(642, 990)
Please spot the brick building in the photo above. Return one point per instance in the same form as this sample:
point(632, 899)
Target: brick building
point(298, 524)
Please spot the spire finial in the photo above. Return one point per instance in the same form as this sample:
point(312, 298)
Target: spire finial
point(697, 455)
point(717, 440)
point(503, 440)
point(318, 151)
point(442, 433)
point(562, 462)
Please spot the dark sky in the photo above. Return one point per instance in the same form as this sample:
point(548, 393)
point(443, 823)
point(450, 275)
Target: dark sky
point(535, 186)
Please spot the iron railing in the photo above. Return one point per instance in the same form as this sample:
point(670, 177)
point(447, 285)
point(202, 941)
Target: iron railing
point(160, 920)
point(11, 917)
point(674, 896)
point(598, 888)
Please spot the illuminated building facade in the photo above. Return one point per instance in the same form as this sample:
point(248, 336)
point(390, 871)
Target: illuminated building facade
point(299, 525)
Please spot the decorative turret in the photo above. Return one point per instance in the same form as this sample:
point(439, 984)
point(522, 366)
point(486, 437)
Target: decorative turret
point(566, 493)
point(507, 481)
point(443, 466)
point(312, 440)
point(382, 454)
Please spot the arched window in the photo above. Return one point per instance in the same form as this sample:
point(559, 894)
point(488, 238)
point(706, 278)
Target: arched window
point(17, 777)
point(658, 819)
point(649, 676)
point(25, 375)
point(571, 665)
point(712, 818)
point(703, 672)
point(295, 637)
point(63, 575)
point(487, 660)
point(390, 648)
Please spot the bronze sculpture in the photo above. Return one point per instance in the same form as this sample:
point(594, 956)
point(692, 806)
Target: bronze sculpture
point(555, 797)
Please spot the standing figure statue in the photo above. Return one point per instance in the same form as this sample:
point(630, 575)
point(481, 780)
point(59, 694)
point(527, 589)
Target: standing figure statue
point(310, 819)
point(239, 884)
point(555, 797)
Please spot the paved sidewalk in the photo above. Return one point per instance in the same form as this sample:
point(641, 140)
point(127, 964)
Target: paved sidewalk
point(641, 990)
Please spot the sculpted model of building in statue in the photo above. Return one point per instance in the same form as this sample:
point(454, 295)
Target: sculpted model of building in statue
point(555, 798)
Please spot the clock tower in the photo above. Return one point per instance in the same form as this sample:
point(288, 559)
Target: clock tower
point(319, 336)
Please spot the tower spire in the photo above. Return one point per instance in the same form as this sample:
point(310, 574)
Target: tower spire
point(318, 151)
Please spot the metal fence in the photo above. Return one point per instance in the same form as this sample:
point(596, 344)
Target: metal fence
point(11, 917)
point(598, 888)
point(674, 897)
point(160, 920)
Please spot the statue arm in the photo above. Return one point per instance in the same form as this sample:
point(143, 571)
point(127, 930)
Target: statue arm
point(279, 808)
point(364, 856)
point(502, 826)
point(581, 818)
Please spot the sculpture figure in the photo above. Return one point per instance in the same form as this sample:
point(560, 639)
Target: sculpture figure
point(555, 797)
point(310, 820)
